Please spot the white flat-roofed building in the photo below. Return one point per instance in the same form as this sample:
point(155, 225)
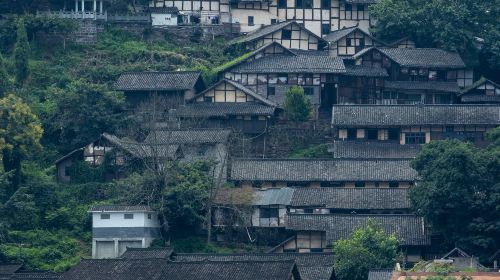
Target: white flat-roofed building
point(116, 227)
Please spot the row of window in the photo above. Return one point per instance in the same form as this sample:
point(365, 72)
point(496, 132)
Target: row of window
point(325, 4)
point(127, 216)
point(281, 79)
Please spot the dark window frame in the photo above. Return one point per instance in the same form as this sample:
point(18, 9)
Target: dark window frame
point(128, 216)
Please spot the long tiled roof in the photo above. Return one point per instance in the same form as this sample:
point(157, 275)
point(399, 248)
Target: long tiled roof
point(409, 229)
point(403, 115)
point(365, 71)
point(159, 269)
point(273, 196)
point(193, 136)
point(6, 270)
point(141, 150)
point(380, 274)
point(424, 57)
point(266, 30)
point(352, 198)
point(292, 64)
point(312, 266)
point(224, 109)
point(483, 98)
point(120, 208)
point(176, 80)
point(430, 85)
point(36, 275)
point(148, 253)
point(313, 170)
point(363, 150)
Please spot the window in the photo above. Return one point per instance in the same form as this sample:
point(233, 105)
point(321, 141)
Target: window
point(393, 184)
point(349, 42)
point(208, 99)
point(250, 21)
point(372, 134)
point(274, 21)
point(362, 42)
point(267, 213)
point(105, 216)
point(325, 29)
point(316, 250)
point(283, 79)
point(149, 216)
point(286, 34)
point(393, 134)
point(415, 138)
point(308, 211)
point(271, 91)
point(360, 7)
point(309, 91)
point(326, 4)
point(351, 133)
point(282, 4)
point(433, 75)
point(128, 216)
point(359, 184)
point(307, 4)
point(298, 3)
point(348, 7)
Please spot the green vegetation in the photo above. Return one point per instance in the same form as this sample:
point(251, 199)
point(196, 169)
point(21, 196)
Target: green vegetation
point(317, 151)
point(21, 51)
point(297, 106)
point(460, 185)
point(367, 248)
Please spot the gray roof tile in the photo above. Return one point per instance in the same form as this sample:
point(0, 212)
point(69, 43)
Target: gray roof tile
point(273, 196)
point(430, 85)
point(266, 30)
point(364, 150)
point(36, 275)
point(365, 71)
point(120, 208)
point(424, 57)
point(148, 253)
point(144, 81)
point(224, 109)
point(405, 115)
point(292, 64)
point(380, 274)
point(192, 136)
point(315, 170)
point(409, 229)
point(352, 198)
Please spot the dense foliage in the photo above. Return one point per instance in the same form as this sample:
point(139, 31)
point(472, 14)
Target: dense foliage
point(468, 26)
point(460, 193)
point(297, 106)
point(367, 248)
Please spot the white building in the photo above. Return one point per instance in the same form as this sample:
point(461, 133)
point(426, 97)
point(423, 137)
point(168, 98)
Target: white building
point(164, 16)
point(114, 228)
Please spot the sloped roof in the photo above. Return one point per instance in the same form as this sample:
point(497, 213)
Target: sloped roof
point(120, 208)
point(273, 196)
point(478, 83)
point(144, 81)
point(241, 87)
point(403, 115)
point(360, 149)
point(142, 150)
point(380, 274)
point(159, 269)
point(352, 198)
point(424, 57)
point(224, 109)
point(6, 270)
point(148, 253)
point(466, 96)
point(36, 275)
point(314, 170)
point(292, 64)
point(173, 10)
point(269, 29)
point(449, 87)
point(336, 35)
point(409, 229)
point(191, 136)
point(312, 266)
point(365, 71)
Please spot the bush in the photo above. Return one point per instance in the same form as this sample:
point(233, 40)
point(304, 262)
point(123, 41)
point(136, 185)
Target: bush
point(297, 106)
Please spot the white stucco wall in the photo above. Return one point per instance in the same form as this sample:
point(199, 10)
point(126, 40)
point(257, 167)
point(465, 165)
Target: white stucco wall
point(163, 19)
point(117, 220)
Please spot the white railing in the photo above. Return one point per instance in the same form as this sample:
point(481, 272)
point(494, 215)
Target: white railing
point(76, 15)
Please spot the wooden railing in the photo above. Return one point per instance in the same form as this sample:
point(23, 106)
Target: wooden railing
point(98, 16)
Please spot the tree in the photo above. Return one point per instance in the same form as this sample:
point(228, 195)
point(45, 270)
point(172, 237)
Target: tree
point(21, 53)
point(460, 192)
point(84, 111)
point(297, 106)
point(367, 248)
point(20, 133)
point(454, 25)
point(5, 84)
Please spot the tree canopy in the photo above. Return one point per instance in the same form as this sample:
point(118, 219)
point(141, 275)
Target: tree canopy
point(21, 53)
point(297, 105)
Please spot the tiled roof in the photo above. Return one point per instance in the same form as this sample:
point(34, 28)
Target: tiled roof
point(173, 10)
point(336, 35)
point(176, 80)
point(314, 170)
point(159, 269)
point(363, 150)
point(365, 71)
point(120, 208)
point(192, 136)
point(380, 274)
point(352, 198)
point(430, 85)
point(424, 57)
point(409, 229)
point(6, 270)
point(273, 196)
point(266, 30)
point(483, 98)
point(292, 64)
point(147, 253)
point(224, 109)
point(403, 115)
point(36, 275)
point(141, 150)
point(312, 266)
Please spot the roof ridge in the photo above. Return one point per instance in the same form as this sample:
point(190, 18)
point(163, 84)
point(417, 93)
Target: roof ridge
point(353, 215)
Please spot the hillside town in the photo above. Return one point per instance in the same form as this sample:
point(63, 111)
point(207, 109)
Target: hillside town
point(246, 139)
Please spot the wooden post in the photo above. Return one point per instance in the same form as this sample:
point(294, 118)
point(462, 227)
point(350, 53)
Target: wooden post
point(95, 10)
point(100, 6)
point(83, 8)
point(76, 6)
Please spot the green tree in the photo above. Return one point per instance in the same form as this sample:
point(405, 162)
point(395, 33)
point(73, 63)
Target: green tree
point(20, 134)
point(460, 192)
point(454, 25)
point(82, 113)
point(5, 84)
point(297, 106)
point(21, 54)
point(368, 248)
